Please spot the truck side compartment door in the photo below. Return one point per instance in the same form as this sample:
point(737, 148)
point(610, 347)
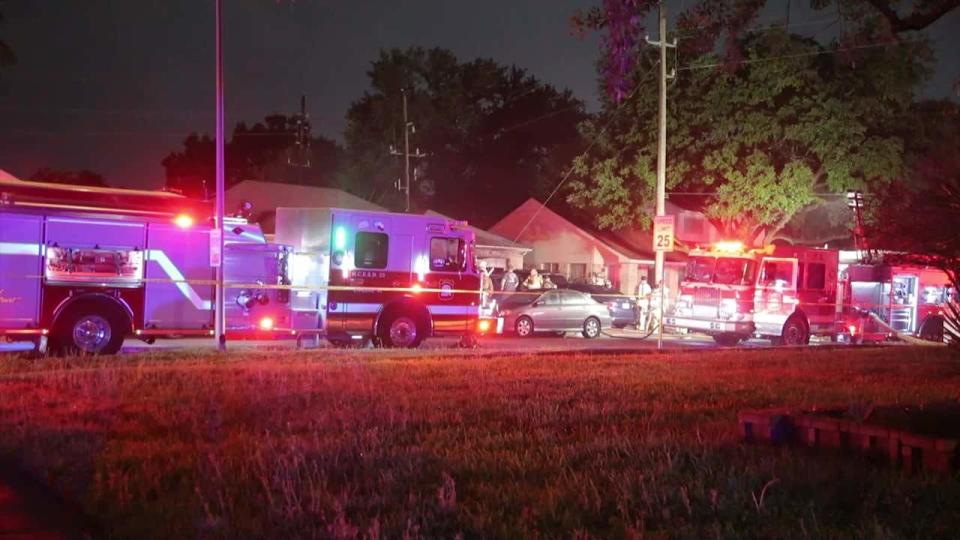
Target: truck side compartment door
point(21, 264)
point(179, 292)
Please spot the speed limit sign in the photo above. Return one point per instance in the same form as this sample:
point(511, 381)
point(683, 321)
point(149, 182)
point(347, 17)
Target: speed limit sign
point(663, 233)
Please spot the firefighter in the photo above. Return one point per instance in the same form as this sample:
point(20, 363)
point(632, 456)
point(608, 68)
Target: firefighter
point(533, 281)
point(486, 284)
point(643, 302)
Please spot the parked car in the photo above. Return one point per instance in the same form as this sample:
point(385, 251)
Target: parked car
point(555, 310)
point(623, 308)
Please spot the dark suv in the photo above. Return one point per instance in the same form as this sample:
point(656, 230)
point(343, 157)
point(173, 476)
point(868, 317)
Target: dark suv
point(623, 308)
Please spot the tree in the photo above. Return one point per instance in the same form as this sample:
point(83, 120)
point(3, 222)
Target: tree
point(78, 178)
point(918, 220)
point(265, 151)
point(493, 135)
point(756, 142)
point(707, 21)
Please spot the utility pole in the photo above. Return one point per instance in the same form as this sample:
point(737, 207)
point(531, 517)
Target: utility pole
point(408, 128)
point(662, 154)
point(217, 241)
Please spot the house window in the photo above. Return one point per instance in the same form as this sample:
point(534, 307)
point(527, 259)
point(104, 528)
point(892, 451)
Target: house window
point(578, 272)
point(447, 254)
point(371, 250)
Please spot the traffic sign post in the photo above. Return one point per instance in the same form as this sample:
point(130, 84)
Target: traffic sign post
point(663, 227)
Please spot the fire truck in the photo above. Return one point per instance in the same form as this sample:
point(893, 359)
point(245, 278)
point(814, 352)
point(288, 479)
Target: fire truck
point(387, 278)
point(87, 267)
point(886, 301)
point(783, 293)
point(789, 293)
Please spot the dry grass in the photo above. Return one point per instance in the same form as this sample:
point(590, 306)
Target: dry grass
point(321, 444)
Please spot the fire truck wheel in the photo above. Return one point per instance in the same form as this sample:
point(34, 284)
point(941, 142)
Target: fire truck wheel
point(591, 328)
point(795, 332)
point(523, 327)
point(89, 327)
point(931, 329)
point(727, 340)
point(401, 330)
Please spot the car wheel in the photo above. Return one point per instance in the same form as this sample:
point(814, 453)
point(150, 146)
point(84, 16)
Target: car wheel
point(523, 327)
point(794, 332)
point(591, 328)
point(90, 328)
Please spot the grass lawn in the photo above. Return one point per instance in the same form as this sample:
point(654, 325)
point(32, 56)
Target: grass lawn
point(322, 444)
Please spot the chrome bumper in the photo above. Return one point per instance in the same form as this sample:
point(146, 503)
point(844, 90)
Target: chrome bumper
point(709, 326)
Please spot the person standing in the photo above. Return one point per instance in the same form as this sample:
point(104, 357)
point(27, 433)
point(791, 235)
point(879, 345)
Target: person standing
point(510, 281)
point(533, 281)
point(644, 292)
point(486, 284)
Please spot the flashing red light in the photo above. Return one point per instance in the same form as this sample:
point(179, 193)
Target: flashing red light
point(416, 288)
point(483, 325)
point(183, 221)
point(266, 323)
point(853, 329)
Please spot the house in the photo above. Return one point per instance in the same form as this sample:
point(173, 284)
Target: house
point(580, 252)
point(496, 250)
point(268, 196)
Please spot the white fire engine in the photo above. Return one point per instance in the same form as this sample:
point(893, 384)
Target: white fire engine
point(789, 293)
point(392, 278)
point(89, 266)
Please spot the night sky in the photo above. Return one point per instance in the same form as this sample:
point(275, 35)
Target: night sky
point(114, 85)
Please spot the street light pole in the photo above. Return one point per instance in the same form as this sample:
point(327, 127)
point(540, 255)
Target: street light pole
point(406, 150)
point(218, 321)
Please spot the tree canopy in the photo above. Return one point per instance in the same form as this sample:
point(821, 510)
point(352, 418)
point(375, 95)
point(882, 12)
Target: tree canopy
point(493, 135)
point(75, 178)
point(754, 139)
point(267, 150)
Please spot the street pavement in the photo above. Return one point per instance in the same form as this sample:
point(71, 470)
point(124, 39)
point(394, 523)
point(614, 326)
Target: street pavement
point(612, 340)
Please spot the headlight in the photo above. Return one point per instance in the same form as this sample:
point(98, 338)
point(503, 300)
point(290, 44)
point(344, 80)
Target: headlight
point(728, 308)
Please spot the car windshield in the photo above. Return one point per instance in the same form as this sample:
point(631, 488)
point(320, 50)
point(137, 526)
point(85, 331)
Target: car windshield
point(700, 269)
point(734, 271)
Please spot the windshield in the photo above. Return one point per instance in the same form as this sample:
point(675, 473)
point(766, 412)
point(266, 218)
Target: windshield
point(700, 269)
point(731, 271)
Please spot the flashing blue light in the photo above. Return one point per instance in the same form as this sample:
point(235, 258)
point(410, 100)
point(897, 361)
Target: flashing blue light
point(339, 238)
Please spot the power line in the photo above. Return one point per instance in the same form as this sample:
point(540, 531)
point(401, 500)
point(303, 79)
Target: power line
point(798, 55)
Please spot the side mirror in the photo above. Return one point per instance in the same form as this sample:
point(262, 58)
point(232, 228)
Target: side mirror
point(537, 303)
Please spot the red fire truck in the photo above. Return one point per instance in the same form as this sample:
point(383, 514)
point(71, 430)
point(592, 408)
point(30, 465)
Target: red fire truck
point(789, 293)
point(785, 294)
point(88, 267)
point(389, 278)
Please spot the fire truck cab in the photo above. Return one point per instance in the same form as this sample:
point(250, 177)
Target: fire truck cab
point(782, 293)
point(387, 278)
point(88, 267)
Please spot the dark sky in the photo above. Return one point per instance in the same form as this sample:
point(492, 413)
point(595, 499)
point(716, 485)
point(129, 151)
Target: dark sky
point(114, 85)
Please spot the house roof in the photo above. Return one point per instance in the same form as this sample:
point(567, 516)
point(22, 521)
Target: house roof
point(486, 238)
point(625, 243)
point(268, 196)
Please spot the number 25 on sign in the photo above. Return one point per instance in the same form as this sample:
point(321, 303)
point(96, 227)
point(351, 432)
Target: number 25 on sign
point(663, 233)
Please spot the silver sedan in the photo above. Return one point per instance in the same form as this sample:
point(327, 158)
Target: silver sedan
point(553, 311)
